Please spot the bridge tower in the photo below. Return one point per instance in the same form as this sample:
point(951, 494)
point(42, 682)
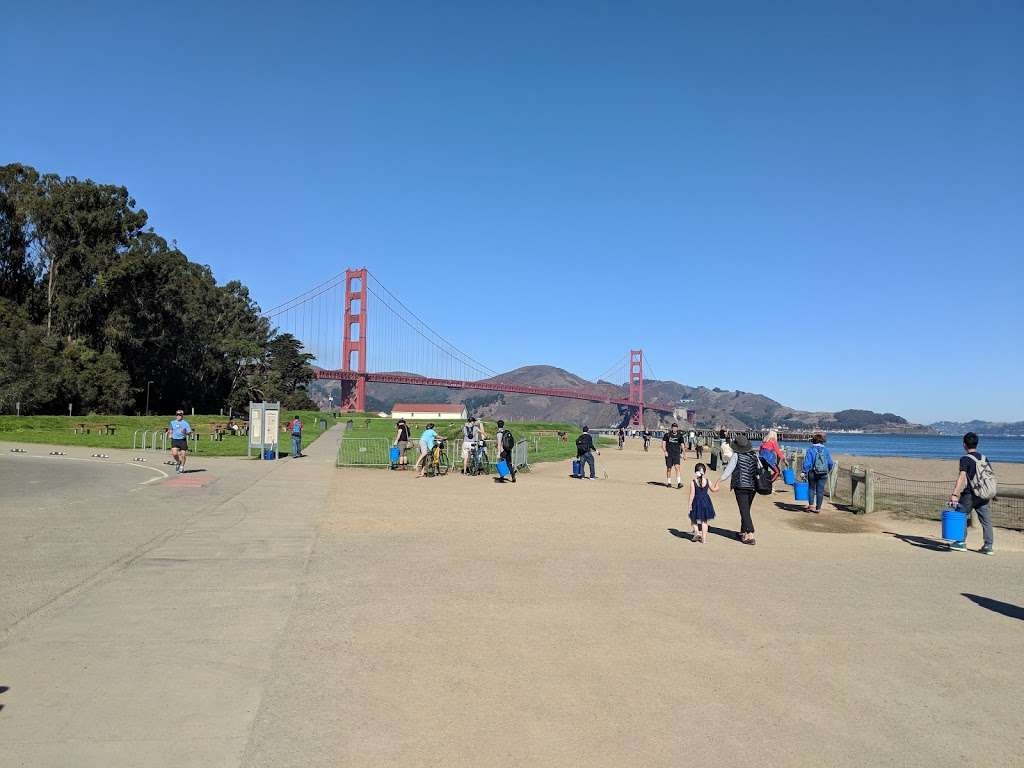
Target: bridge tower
point(353, 346)
point(636, 387)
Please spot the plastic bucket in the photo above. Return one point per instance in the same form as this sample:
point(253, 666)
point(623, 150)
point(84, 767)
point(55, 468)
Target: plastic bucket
point(801, 492)
point(395, 454)
point(503, 468)
point(954, 525)
point(788, 476)
point(269, 455)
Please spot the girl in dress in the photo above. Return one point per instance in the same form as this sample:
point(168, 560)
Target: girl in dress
point(701, 508)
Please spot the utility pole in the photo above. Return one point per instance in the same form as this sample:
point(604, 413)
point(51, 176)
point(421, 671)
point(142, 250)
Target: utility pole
point(147, 396)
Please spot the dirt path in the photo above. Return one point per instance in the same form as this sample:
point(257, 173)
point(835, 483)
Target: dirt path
point(454, 621)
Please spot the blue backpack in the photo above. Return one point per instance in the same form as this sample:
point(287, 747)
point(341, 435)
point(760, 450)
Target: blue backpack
point(820, 466)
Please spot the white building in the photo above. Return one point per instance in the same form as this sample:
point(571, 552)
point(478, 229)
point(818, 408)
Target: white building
point(446, 411)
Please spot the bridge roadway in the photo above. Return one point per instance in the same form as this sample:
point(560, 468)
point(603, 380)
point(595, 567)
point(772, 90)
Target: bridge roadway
point(488, 386)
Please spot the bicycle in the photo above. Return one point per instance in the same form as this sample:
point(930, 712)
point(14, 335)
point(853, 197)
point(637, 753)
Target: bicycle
point(478, 461)
point(437, 462)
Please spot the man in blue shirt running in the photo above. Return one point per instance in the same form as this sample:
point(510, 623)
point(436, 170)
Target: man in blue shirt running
point(180, 430)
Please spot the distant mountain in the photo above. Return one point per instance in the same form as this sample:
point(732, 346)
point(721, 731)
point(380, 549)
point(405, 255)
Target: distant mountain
point(714, 407)
point(990, 428)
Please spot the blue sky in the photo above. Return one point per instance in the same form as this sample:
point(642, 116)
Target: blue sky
point(821, 202)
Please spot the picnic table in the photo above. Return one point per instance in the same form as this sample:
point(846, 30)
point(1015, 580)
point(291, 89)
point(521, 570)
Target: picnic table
point(80, 428)
point(107, 429)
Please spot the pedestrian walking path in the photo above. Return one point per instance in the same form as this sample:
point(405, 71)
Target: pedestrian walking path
point(309, 616)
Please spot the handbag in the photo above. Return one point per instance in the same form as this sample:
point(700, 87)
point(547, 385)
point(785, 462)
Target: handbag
point(762, 476)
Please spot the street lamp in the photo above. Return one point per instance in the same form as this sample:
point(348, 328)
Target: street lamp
point(147, 396)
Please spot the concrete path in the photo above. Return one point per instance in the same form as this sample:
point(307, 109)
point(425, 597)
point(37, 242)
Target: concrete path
point(147, 617)
point(313, 617)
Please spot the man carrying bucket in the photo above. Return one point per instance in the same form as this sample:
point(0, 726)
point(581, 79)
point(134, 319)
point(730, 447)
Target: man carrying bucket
point(975, 488)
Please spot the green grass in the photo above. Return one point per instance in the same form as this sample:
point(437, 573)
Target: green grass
point(57, 430)
point(542, 447)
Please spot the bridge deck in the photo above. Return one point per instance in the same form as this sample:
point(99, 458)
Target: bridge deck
point(488, 386)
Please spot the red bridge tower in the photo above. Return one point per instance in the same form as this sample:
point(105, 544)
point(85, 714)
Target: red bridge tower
point(636, 387)
point(353, 347)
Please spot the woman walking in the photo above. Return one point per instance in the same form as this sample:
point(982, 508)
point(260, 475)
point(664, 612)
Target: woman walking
point(817, 466)
point(741, 472)
point(772, 453)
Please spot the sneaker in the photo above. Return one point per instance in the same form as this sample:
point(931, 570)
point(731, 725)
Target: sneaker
point(957, 546)
point(985, 550)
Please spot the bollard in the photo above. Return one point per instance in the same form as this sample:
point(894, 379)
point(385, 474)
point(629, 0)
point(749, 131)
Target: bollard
point(869, 491)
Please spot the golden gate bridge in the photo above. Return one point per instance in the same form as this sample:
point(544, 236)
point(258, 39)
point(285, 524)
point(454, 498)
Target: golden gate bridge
point(359, 332)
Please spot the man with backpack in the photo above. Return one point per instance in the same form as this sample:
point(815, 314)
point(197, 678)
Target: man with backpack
point(295, 429)
point(506, 442)
point(975, 488)
point(585, 452)
point(817, 465)
point(469, 432)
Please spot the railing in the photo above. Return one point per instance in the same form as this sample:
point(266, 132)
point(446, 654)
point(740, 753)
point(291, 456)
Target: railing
point(376, 452)
point(918, 498)
point(363, 452)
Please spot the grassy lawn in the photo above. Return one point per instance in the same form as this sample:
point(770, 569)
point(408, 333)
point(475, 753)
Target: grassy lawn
point(58, 430)
point(543, 446)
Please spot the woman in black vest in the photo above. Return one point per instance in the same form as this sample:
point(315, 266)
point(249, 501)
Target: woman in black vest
point(741, 470)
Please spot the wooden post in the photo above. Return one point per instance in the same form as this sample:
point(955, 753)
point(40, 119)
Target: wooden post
point(869, 491)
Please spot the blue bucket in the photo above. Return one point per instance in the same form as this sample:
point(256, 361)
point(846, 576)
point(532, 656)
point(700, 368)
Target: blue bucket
point(954, 525)
point(801, 492)
point(269, 455)
point(503, 468)
point(395, 454)
point(788, 476)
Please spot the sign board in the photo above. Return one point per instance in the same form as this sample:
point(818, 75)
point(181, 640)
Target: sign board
point(255, 424)
point(263, 424)
point(270, 424)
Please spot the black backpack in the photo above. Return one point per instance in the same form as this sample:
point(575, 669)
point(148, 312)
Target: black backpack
point(508, 442)
point(581, 442)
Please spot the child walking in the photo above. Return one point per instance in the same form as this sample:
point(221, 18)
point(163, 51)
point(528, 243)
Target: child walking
point(701, 508)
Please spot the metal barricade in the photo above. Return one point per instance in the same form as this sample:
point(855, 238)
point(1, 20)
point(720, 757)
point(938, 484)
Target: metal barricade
point(521, 454)
point(135, 437)
point(364, 452)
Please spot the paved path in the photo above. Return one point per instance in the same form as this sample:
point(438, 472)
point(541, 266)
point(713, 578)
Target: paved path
point(308, 616)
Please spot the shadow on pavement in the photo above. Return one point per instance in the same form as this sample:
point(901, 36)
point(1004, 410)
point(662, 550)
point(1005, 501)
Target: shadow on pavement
point(936, 545)
point(732, 535)
point(1007, 609)
point(791, 507)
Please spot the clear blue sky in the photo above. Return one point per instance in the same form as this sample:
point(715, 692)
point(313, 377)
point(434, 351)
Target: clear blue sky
point(843, 183)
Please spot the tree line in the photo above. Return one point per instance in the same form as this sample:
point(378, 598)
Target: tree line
point(94, 305)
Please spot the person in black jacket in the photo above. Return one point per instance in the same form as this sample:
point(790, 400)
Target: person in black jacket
point(742, 470)
point(585, 451)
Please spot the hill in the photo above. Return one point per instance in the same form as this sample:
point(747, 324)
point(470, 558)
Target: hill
point(715, 407)
point(989, 428)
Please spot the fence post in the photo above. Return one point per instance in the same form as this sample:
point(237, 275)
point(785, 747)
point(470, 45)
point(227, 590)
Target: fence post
point(869, 491)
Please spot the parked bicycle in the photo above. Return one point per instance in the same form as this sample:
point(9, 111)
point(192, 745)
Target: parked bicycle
point(479, 464)
point(438, 462)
